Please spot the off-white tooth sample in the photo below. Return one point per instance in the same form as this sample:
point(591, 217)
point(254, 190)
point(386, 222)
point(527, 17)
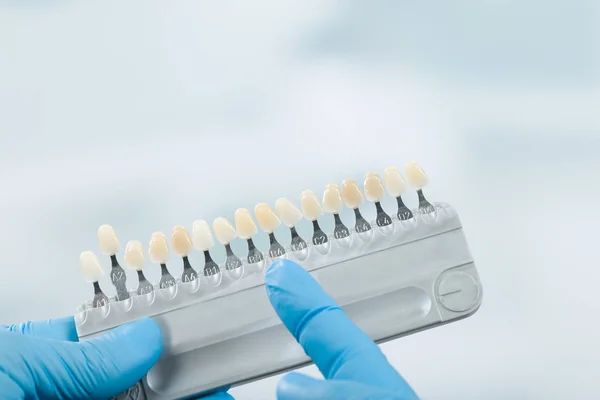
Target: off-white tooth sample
point(394, 181)
point(310, 205)
point(181, 241)
point(107, 240)
point(374, 190)
point(416, 176)
point(332, 199)
point(351, 193)
point(246, 228)
point(90, 267)
point(201, 235)
point(267, 219)
point(159, 248)
point(288, 212)
point(134, 255)
point(224, 230)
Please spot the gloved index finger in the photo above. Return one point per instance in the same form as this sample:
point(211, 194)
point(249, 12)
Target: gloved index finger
point(56, 329)
point(336, 345)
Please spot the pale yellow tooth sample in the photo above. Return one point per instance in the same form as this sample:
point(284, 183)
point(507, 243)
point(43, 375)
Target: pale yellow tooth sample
point(374, 190)
point(224, 230)
point(90, 267)
point(267, 219)
point(107, 240)
point(351, 193)
point(394, 181)
point(134, 255)
point(415, 175)
point(332, 199)
point(159, 248)
point(288, 212)
point(244, 223)
point(181, 241)
point(310, 205)
point(201, 235)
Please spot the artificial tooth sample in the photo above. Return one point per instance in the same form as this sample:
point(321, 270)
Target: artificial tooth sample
point(159, 254)
point(182, 245)
point(353, 198)
point(134, 258)
point(109, 245)
point(246, 229)
point(92, 272)
point(375, 192)
point(418, 179)
point(203, 241)
point(312, 211)
point(291, 215)
point(332, 203)
point(269, 221)
point(396, 186)
point(225, 233)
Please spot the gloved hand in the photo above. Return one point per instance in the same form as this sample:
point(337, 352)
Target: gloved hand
point(353, 365)
point(43, 360)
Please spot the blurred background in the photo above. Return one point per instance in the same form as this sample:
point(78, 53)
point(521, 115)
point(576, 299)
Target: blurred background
point(149, 114)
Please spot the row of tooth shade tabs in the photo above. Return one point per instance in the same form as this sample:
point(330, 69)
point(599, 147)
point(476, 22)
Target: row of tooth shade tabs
point(333, 202)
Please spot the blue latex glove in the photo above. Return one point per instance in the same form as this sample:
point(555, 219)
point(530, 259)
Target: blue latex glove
point(43, 360)
point(353, 365)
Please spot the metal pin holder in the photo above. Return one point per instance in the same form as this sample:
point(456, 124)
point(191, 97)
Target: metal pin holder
point(418, 275)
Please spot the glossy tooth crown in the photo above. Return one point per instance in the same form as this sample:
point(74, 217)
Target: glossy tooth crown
point(416, 176)
point(159, 248)
point(181, 241)
point(246, 228)
point(332, 199)
point(310, 205)
point(267, 219)
point(107, 240)
point(224, 230)
point(374, 190)
point(90, 267)
point(134, 255)
point(202, 236)
point(394, 181)
point(351, 193)
point(288, 212)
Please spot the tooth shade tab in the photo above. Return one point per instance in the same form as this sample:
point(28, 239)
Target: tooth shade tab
point(351, 193)
point(107, 240)
point(267, 219)
point(394, 181)
point(159, 248)
point(134, 255)
point(244, 223)
point(181, 241)
point(202, 236)
point(374, 190)
point(310, 205)
point(288, 212)
point(90, 267)
point(332, 199)
point(224, 230)
point(417, 178)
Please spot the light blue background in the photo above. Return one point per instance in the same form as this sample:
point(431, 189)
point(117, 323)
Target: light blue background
point(149, 114)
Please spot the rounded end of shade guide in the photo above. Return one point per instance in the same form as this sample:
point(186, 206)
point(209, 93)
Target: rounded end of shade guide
point(387, 230)
point(323, 248)
point(345, 241)
point(213, 279)
point(365, 235)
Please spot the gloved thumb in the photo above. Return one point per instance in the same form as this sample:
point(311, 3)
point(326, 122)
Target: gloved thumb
point(295, 386)
point(98, 368)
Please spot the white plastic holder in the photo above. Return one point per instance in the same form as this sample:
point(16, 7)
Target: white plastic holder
point(419, 276)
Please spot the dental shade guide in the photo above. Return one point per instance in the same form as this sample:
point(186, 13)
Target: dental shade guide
point(405, 271)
